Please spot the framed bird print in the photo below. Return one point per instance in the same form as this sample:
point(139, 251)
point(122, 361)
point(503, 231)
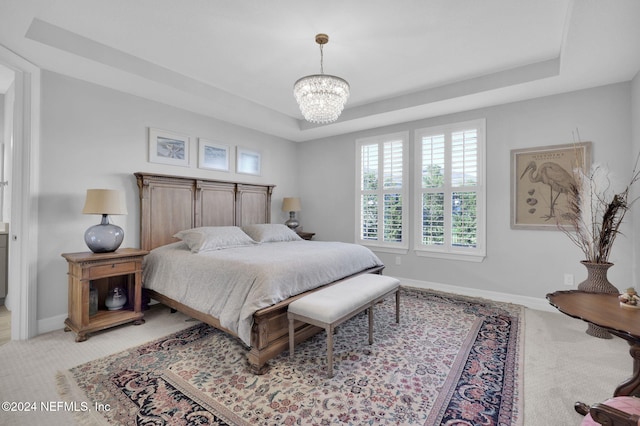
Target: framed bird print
point(540, 181)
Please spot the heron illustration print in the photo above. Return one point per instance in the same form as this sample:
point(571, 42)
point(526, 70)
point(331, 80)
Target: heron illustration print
point(541, 179)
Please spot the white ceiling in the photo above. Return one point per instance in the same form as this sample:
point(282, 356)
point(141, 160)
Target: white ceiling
point(404, 59)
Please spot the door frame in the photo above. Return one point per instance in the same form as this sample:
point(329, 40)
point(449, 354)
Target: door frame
point(23, 221)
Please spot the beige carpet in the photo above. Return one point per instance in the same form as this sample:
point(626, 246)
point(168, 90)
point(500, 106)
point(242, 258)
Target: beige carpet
point(562, 365)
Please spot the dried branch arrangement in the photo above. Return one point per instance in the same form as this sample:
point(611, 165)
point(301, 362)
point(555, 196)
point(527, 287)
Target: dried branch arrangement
point(595, 211)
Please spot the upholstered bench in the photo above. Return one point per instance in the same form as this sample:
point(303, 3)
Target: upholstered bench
point(331, 306)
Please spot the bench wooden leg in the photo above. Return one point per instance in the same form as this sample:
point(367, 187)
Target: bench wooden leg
point(398, 306)
point(292, 338)
point(370, 324)
point(329, 351)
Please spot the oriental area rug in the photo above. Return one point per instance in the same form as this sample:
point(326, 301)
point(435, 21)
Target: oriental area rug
point(452, 360)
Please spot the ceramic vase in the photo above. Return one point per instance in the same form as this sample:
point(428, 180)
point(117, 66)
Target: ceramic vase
point(597, 282)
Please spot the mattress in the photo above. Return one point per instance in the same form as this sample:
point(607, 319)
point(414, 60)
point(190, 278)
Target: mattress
point(233, 283)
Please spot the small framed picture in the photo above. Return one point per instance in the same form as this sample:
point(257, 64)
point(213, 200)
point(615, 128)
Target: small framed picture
point(248, 161)
point(168, 148)
point(212, 155)
point(541, 179)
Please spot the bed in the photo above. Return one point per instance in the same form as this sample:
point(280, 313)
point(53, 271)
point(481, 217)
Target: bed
point(171, 204)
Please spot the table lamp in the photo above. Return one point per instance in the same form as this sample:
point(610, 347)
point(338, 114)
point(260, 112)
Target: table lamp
point(104, 237)
point(291, 205)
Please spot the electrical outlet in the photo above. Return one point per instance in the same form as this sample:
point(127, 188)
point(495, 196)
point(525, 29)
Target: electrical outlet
point(398, 260)
point(568, 280)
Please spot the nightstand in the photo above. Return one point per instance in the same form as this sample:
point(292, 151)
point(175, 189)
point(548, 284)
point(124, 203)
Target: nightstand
point(105, 271)
point(306, 235)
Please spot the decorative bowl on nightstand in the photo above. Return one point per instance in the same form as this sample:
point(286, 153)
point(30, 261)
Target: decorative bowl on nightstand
point(116, 299)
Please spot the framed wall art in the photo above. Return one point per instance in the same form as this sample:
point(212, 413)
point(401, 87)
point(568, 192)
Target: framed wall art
point(540, 180)
point(248, 161)
point(213, 155)
point(168, 148)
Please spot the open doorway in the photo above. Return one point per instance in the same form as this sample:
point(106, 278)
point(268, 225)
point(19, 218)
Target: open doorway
point(21, 193)
point(7, 78)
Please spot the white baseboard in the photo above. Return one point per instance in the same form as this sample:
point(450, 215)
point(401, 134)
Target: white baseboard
point(46, 325)
point(539, 304)
point(56, 323)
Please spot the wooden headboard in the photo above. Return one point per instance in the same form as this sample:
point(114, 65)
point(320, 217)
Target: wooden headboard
point(169, 204)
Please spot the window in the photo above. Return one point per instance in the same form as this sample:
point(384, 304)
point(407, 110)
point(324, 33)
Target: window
point(382, 191)
point(450, 191)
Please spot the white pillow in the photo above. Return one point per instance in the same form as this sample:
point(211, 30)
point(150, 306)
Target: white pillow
point(271, 233)
point(208, 238)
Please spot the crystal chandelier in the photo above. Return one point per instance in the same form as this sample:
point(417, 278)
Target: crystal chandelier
point(321, 96)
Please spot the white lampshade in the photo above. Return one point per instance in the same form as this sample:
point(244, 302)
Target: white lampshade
point(291, 204)
point(104, 201)
point(104, 237)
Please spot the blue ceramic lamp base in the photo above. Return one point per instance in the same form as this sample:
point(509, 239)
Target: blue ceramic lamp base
point(105, 237)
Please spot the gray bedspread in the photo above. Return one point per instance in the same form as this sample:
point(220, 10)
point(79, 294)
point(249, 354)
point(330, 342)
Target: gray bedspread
point(233, 283)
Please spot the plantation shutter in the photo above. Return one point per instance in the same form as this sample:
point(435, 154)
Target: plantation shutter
point(450, 197)
point(382, 187)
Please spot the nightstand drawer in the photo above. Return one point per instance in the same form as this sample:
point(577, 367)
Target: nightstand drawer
point(112, 269)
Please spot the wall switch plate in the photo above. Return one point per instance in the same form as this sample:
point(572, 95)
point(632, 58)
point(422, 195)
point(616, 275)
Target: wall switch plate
point(568, 280)
point(398, 260)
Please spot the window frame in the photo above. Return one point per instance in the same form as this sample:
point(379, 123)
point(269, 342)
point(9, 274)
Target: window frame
point(447, 250)
point(378, 244)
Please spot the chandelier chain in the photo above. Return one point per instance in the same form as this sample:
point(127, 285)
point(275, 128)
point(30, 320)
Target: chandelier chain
point(321, 59)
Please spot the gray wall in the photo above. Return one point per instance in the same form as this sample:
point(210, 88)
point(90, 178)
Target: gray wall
point(635, 211)
point(1, 117)
point(520, 262)
point(94, 137)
